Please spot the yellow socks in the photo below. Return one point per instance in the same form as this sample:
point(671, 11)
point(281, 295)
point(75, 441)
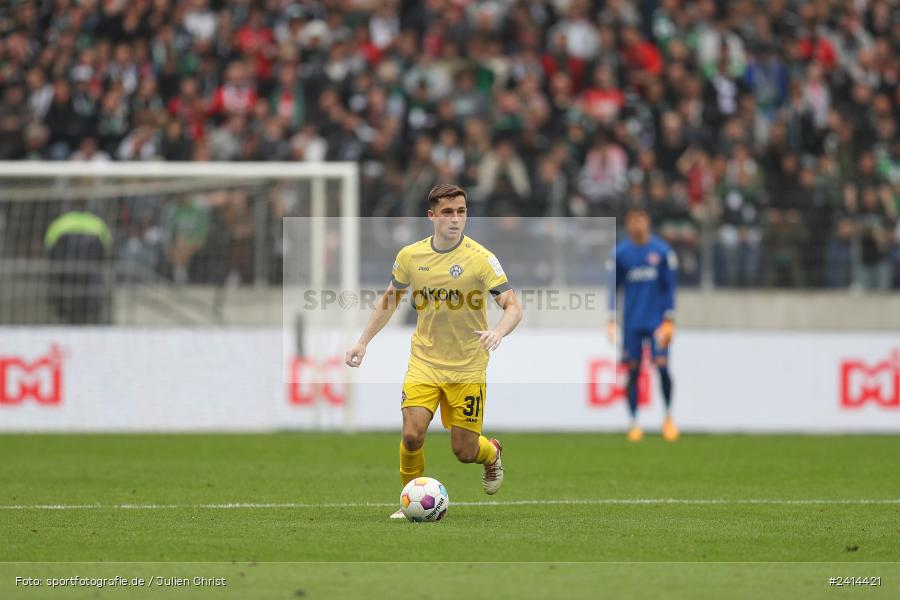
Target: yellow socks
point(487, 452)
point(412, 463)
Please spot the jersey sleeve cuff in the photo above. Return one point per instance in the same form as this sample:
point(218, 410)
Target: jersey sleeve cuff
point(496, 291)
point(398, 285)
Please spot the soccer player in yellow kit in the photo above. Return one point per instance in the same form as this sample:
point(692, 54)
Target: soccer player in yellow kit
point(450, 276)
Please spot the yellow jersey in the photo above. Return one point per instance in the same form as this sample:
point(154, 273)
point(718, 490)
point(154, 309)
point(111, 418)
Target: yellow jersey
point(449, 290)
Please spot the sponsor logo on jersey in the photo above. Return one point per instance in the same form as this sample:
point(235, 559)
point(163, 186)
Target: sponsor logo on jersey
point(647, 273)
point(878, 383)
point(495, 264)
point(440, 294)
point(456, 271)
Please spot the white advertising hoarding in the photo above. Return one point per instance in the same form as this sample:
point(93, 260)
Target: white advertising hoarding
point(93, 379)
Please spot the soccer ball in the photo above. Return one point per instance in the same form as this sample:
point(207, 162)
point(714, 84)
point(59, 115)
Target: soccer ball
point(424, 499)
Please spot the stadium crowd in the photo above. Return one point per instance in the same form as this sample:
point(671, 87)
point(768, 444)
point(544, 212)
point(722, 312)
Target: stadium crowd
point(768, 128)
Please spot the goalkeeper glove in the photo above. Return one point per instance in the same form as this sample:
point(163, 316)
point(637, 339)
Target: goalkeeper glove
point(664, 333)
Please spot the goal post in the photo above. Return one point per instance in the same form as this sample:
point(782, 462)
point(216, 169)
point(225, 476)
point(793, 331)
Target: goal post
point(134, 200)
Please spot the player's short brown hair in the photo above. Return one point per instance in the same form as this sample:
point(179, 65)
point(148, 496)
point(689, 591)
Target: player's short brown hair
point(445, 190)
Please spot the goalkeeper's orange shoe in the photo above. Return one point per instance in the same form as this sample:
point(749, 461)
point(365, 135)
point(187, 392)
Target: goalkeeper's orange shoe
point(669, 431)
point(635, 434)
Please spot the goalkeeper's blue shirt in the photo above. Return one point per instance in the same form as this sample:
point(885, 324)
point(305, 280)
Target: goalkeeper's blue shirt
point(647, 274)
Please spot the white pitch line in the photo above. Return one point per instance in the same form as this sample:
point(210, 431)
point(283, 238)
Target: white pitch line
point(600, 501)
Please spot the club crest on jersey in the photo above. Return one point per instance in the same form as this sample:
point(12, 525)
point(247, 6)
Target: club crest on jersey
point(653, 258)
point(456, 271)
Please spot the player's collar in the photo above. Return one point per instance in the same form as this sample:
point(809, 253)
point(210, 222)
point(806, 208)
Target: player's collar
point(450, 249)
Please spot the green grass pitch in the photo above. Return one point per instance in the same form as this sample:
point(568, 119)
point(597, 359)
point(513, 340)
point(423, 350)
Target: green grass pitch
point(579, 516)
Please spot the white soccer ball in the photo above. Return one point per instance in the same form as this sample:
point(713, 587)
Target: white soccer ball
point(424, 499)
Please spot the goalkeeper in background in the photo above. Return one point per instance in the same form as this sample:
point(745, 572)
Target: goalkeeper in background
point(645, 267)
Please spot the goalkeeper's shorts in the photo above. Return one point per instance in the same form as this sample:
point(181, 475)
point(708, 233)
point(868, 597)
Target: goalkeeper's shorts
point(633, 344)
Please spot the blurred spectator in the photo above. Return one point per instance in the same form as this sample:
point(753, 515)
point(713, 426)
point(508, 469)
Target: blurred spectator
point(767, 78)
point(12, 118)
point(576, 33)
point(175, 144)
point(77, 243)
point(61, 121)
point(603, 177)
point(873, 226)
point(226, 140)
point(447, 154)
point(199, 21)
point(642, 59)
point(36, 137)
point(740, 234)
point(40, 93)
point(239, 230)
point(675, 224)
point(603, 100)
point(89, 152)
point(419, 177)
point(841, 245)
point(186, 230)
point(308, 145)
point(113, 120)
point(287, 98)
point(502, 178)
point(783, 245)
point(720, 51)
point(140, 144)
point(671, 144)
point(550, 195)
point(237, 94)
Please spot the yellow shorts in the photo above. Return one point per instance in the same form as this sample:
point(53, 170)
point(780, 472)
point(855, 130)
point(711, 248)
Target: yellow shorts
point(460, 394)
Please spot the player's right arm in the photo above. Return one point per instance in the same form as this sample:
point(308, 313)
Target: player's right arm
point(383, 311)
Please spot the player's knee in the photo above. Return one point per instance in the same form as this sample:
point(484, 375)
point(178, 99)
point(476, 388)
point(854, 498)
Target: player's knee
point(413, 439)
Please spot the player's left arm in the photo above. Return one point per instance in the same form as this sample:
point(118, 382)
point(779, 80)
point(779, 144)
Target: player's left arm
point(512, 314)
point(667, 278)
point(615, 275)
point(495, 280)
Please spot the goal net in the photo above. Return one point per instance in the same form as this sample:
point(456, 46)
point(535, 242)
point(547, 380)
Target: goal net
point(160, 243)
